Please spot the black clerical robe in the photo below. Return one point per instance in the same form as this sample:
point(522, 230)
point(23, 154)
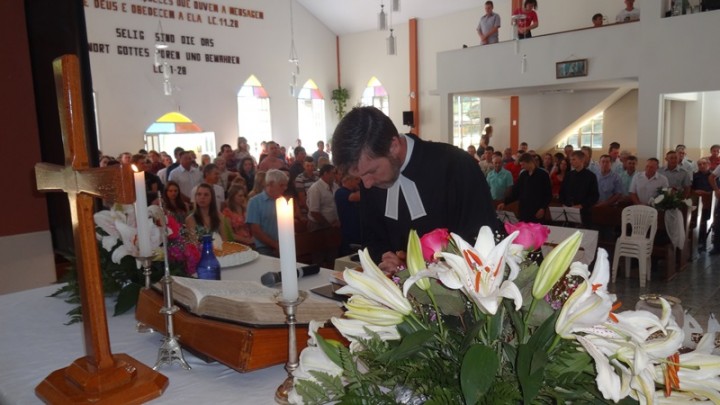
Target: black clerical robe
point(533, 192)
point(453, 191)
point(580, 188)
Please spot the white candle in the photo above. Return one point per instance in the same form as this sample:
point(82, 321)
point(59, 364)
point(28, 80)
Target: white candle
point(286, 240)
point(141, 216)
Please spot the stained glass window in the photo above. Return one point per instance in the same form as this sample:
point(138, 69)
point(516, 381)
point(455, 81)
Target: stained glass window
point(254, 114)
point(375, 95)
point(311, 114)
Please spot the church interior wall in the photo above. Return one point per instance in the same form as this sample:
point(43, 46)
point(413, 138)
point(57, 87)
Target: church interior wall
point(364, 55)
point(620, 122)
point(130, 94)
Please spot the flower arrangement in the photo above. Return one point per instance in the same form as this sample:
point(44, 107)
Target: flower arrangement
point(472, 326)
point(116, 231)
point(669, 198)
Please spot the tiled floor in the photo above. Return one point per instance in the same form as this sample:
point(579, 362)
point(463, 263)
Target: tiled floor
point(697, 286)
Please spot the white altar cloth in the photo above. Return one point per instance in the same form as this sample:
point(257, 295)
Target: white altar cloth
point(35, 342)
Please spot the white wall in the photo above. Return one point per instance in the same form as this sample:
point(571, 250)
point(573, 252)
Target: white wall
point(675, 58)
point(130, 96)
point(620, 122)
point(363, 56)
point(710, 123)
point(28, 259)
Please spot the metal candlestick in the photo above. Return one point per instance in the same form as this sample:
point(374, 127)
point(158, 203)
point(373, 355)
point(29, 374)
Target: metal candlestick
point(170, 350)
point(146, 263)
point(289, 307)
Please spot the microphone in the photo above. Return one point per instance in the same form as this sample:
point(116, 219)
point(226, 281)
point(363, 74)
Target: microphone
point(270, 279)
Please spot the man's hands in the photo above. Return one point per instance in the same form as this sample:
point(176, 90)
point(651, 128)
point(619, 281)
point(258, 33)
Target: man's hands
point(392, 262)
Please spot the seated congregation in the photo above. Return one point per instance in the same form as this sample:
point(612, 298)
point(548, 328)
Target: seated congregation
point(233, 196)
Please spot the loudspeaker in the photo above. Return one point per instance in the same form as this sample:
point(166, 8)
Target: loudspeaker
point(409, 119)
point(487, 120)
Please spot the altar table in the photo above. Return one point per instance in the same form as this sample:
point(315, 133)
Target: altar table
point(34, 342)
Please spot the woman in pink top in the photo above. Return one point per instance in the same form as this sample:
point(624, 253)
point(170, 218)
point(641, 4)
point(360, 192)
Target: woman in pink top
point(236, 228)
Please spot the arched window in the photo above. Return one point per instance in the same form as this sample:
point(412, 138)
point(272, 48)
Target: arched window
point(311, 114)
point(254, 114)
point(175, 129)
point(375, 95)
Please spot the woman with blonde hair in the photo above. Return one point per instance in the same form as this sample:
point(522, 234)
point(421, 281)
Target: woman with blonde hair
point(258, 186)
point(235, 227)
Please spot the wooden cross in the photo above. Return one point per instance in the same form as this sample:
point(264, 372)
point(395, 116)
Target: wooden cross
point(100, 376)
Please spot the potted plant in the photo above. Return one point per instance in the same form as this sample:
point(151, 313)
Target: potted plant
point(340, 97)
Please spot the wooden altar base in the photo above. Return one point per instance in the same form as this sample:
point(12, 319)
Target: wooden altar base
point(127, 382)
point(240, 347)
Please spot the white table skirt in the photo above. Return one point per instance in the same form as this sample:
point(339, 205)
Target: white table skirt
point(34, 342)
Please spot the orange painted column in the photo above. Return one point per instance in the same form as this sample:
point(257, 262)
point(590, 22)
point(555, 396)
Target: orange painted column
point(414, 101)
point(337, 56)
point(514, 123)
point(516, 4)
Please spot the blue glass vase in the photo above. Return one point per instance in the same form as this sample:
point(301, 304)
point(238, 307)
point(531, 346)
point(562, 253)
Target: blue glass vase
point(208, 267)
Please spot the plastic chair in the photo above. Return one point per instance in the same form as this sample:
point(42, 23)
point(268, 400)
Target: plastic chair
point(642, 221)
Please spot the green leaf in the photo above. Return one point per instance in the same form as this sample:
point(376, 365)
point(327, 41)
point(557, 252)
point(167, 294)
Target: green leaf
point(532, 358)
point(477, 373)
point(530, 370)
point(331, 384)
point(127, 298)
point(409, 345)
point(330, 348)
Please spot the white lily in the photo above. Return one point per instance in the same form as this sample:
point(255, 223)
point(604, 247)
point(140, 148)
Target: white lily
point(369, 311)
point(480, 273)
point(374, 285)
point(590, 303)
point(312, 358)
point(353, 329)
point(608, 381)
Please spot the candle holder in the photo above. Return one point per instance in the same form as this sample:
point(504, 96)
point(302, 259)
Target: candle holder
point(289, 308)
point(146, 264)
point(170, 350)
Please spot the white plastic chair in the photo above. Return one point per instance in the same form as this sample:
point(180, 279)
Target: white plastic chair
point(639, 243)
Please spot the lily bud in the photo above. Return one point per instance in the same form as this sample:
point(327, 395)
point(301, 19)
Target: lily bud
point(554, 265)
point(415, 261)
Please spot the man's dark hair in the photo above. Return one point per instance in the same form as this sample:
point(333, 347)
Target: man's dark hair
point(578, 154)
point(309, 159)
point(498, 153)
point(596, 16)
point(527, 158)
point(208, 169)
point(362, 130)
point(631, 157)
point(670, 152)
point(654, 160)
point(605, 156)
point(489, 3)
point(298, 150)
point(489, 148)
point(325, 169)
point(614, 145)
point(178, 151)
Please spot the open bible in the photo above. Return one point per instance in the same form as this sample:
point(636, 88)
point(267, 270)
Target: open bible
point(245, 302)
